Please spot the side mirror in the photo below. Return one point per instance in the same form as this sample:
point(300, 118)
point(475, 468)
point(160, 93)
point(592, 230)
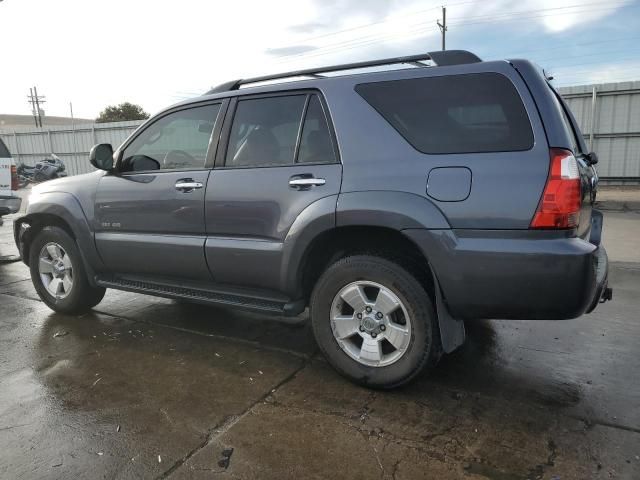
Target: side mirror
point(592, 158)
point(101, 156)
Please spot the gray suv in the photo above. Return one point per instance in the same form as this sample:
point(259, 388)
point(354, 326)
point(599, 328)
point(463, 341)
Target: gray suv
point(394, 204)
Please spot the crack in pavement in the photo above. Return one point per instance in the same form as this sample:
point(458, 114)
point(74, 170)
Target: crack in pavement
point(14, 282)
point(229, 422)
point(590, 422)
point(11, 427)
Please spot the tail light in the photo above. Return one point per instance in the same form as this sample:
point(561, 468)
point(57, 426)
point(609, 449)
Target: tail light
point(14, 178)
point(562, 198)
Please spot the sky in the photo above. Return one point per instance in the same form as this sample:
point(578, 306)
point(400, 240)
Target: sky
point(156, 52)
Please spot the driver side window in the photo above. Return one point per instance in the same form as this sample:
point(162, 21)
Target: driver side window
point(178, 141)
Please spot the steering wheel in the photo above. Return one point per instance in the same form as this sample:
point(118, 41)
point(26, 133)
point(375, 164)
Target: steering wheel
point(179, 157)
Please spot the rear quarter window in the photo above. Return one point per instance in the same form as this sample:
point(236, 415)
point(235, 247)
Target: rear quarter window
point(4, 151)
point(472, 113)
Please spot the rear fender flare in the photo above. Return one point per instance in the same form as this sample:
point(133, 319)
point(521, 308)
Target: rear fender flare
point(317, 218)
point(395, 210)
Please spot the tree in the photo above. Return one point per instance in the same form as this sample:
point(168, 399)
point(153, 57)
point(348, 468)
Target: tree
point(121, 113)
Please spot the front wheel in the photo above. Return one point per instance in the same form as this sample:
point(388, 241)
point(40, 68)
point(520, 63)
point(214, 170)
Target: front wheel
point(58, 273)
point(374, 321)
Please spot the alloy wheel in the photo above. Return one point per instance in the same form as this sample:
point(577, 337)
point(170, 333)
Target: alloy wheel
point(370, 323)
point(56, 270)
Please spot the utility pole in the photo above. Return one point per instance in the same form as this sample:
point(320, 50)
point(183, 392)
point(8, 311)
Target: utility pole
point(443, 27)
point(33, 106)
point(75, 143)
point(35, 100)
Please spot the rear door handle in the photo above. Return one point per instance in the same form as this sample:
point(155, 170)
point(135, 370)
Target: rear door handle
point(306, 182)
point(187, 185)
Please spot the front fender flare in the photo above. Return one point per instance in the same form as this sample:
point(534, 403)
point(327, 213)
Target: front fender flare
point(67, 208)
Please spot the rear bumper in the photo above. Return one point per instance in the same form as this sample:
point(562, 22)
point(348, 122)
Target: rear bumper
point(515, 274)
point(9, 205)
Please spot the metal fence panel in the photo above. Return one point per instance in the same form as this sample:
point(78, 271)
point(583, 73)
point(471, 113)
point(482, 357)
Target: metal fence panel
point(614, 133)
point(71, 143)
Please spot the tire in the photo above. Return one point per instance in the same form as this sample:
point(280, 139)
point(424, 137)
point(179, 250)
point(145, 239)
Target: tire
point(420, 347)
point(80, 296)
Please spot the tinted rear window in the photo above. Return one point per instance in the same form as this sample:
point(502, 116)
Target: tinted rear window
point(480, 112)
point(4, 151)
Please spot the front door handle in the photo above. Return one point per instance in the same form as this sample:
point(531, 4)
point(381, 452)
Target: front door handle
point(187, 185)
point(306, 182)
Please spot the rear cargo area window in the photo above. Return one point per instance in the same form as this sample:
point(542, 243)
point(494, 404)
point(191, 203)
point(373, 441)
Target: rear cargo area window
point(472, 113)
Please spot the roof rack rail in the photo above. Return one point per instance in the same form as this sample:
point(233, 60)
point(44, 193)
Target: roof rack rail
point(440, 58)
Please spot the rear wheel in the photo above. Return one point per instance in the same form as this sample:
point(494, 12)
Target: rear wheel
point(374, 321)
point(58, 273)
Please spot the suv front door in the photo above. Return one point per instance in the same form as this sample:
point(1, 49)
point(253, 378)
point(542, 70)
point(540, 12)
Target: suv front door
point(278, 156)
point(150, 211)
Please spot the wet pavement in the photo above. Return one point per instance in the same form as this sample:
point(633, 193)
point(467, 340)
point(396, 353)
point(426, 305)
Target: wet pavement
point(152, 388)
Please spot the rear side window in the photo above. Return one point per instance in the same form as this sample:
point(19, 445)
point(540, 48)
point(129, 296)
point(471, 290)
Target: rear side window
point(568, 124)
point(473, 113)
point(4, 151)
point(315, 144)
point(265, 131)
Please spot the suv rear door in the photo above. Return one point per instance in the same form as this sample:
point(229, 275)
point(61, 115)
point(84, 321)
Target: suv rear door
point(277, 157)
point(150, 212)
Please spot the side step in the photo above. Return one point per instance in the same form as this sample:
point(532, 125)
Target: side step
point(201, 296)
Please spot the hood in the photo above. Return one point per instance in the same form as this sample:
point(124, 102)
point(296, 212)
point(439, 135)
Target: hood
point(81, 187)
point(69, 184)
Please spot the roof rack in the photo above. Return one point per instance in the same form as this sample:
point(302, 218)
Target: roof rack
point(440, 58)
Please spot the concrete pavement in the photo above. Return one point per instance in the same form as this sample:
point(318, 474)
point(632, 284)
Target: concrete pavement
point(150, 388)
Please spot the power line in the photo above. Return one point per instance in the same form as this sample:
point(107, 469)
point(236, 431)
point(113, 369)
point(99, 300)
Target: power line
point(538, 10)
point(578, 76)
point(497, 19)
point(589, 69)
point(366, 25)
point(569, 45)
point(487, 18)
point(343, 46)
point(594, 54)
point(370, 39)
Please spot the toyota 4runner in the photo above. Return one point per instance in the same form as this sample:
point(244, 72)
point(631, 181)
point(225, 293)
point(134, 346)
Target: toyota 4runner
point(394, 204)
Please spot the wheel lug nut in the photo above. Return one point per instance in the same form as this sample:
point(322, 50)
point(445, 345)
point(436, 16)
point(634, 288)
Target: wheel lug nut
point(361, 328)
point(374, 334)
point(382, 328)
point(378, 315)
point(359, 316)
point(368, 309)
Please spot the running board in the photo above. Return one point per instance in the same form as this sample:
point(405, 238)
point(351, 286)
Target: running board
point(202, 296)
